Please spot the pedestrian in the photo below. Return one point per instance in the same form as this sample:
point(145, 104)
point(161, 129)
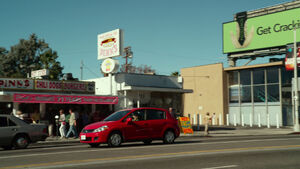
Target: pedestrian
point(35, 117)
point(207, 120)
point(172, 112)
point(72, 124)
point(62, 121)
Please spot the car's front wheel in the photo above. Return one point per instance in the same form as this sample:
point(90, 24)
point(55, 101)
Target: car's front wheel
point(115, 139)
point(169, 137)
point(21, 141)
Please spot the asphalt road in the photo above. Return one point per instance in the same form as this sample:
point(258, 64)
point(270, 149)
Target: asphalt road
point(187, 153)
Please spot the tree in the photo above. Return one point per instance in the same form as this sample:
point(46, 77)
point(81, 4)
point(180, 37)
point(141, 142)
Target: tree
point(142, 69)
point(28, 55)
point(175, 74)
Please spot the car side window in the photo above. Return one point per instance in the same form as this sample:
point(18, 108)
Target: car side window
point(3, 122)
point(11, 123)
point(140, 114)
point(155, 114)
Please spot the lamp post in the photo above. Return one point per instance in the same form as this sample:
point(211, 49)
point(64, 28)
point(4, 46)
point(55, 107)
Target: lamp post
point(296, 120)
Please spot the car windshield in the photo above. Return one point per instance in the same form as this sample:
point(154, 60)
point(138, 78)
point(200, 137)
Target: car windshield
point(116, 116)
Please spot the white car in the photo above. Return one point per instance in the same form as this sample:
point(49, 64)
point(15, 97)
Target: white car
point(16, 133)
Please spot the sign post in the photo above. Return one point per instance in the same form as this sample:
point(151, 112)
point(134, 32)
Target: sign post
point(296, 120)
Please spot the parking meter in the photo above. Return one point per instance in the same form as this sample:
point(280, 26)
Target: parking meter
point(57, 123)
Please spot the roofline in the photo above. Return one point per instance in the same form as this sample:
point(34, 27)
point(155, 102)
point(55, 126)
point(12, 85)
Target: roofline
point(280, 63)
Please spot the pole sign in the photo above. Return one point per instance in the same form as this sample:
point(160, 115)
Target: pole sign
point(289, 58)
point(40, 73)
point(110, 44)
point(267, 31)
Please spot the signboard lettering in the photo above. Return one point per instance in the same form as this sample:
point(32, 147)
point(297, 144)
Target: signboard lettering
point(185, 125)
point(267, 31)
point(64, 99)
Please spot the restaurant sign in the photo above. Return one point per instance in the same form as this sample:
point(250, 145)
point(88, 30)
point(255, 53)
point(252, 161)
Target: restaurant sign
point(14, 83)
point(64, 86)
point(64, 99)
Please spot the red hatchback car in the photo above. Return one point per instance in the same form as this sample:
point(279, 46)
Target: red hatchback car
point(137, 124)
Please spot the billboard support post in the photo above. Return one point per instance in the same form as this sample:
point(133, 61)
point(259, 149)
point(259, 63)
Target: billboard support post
point(296, 120)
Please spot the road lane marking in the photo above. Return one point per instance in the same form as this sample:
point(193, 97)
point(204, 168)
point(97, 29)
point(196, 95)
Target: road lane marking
point(227, 166)
point(143, 147)
point(147, 156)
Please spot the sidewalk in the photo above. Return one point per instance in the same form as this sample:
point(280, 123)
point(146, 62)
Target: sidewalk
point(225, 131)
point(215, 131)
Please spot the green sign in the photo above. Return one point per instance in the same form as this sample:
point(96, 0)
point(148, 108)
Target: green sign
point(272, 30)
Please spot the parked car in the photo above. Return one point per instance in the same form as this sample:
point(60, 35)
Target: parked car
point(16, 133)
point(121, 126)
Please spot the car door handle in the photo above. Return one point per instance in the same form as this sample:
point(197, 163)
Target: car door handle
point(14, 129)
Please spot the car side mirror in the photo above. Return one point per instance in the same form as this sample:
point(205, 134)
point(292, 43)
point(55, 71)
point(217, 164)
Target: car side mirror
point(129, 120)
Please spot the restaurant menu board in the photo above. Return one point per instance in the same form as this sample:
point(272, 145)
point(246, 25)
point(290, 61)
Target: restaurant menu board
point(185, 125)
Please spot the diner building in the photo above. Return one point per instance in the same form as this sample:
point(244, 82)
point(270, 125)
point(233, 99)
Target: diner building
point(47, 97)
point(143, 90)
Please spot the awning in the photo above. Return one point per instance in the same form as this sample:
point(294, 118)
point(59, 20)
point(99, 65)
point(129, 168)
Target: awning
point(64, 99)
point(157, 89)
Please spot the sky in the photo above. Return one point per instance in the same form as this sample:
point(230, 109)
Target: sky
point(167, 35)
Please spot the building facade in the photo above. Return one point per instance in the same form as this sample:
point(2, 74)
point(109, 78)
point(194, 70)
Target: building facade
point(256, 95)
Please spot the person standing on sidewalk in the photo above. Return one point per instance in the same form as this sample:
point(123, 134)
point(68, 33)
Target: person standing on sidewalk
point(72, 123)
point(62, 121)
point(207, 120)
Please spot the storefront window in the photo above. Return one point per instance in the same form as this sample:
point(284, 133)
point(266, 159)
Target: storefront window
point(272, 75)
point(234, 94)
point(246, 94)
point(258, 76)
point(286, 77)
point(259, 93)
point(233, 78)
point(273, 93)
point(245, 76)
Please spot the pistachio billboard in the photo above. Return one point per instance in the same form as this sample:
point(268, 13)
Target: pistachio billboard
point(267, 31)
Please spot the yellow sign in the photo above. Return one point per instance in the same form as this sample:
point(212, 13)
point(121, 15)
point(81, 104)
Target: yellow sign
point(185, 125)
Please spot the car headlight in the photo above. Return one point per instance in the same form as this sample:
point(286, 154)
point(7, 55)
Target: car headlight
point(100, 129)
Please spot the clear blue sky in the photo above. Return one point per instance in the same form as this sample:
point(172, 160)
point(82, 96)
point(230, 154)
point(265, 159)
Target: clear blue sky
point(165, 34)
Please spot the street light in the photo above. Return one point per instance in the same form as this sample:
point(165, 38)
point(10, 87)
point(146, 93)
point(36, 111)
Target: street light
point(296, 97)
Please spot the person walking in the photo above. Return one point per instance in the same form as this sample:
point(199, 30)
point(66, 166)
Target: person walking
point(62, 121)
point(72, 124)
point(207, 120)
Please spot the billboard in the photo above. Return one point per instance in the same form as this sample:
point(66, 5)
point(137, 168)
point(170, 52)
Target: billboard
point(289, 58)
point(272, 30)
point(110, 44)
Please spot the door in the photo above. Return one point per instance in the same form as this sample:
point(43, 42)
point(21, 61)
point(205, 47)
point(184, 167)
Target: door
point(157, 121)
point(137, 130)
point(7, 130)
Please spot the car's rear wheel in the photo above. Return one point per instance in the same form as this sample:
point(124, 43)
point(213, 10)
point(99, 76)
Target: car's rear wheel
point(94, 144)
point(149, 141)
point(115, 139)
point(169, 137)
point(21, 141)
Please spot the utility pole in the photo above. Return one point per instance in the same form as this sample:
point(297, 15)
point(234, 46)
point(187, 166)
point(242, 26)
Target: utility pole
point(81, 70)
point(128, 54)
point(296, 120)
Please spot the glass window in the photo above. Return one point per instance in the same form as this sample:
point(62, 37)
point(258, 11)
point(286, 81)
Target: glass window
point(116, 116)
point(273, 93)
point(3, 122)
point(155, 114)
point(259, 93)
point(11, 123)
point(140, 115)
point(272, 75)
point(234, 94)
point(258, 76)
point(286, 77)
point(245, 76)
point(233, 78)
point(246, 94)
